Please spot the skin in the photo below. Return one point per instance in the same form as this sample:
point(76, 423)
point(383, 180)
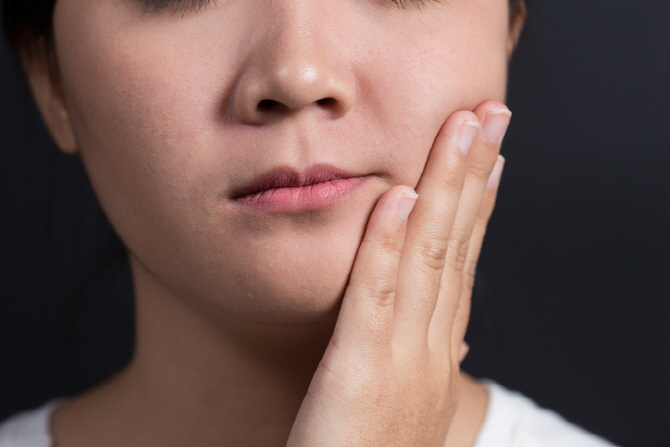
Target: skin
point(241, 339)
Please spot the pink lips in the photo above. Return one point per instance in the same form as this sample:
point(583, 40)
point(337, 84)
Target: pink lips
point(285, 191)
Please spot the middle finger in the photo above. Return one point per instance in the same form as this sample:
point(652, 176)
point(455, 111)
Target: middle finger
point(429, 228)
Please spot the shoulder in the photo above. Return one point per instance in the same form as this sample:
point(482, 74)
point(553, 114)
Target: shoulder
point(29, 428)
point(513, 420)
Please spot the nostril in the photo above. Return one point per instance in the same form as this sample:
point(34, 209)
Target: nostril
point(266, 105)
point(326, 102)
point(271, 106)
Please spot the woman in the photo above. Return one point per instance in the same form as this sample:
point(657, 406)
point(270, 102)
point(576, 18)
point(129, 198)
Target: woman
point(261, 162)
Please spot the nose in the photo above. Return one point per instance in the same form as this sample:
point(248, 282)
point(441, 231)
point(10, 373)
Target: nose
point(294, 68)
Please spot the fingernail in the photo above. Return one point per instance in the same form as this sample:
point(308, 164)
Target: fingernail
point(467, 135)
point(496, 173)
point(495, 125)
point(464, 351)
point(406, 205)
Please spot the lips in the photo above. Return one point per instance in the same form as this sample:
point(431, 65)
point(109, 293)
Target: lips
point(285, 190)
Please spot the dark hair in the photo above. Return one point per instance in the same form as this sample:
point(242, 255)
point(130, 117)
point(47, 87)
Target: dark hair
point(29, 21)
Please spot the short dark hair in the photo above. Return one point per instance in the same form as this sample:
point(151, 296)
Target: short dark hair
point(29, 21)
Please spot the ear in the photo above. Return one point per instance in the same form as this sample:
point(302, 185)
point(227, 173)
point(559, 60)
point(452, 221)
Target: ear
point(39, 63)
point(516, 22)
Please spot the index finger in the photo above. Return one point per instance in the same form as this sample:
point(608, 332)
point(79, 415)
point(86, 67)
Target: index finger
point(366, 317)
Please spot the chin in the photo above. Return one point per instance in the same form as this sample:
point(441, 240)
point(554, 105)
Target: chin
point(291, 285)
point(296, 273)
point(302, 302)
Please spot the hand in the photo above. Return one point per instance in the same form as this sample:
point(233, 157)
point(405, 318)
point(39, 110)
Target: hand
point(390, 375)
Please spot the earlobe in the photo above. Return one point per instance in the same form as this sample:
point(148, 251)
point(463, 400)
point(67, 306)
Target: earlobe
point(41, 70)
point(516, 24)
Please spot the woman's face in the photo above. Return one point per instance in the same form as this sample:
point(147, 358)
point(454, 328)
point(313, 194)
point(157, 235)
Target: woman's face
point(178, 114)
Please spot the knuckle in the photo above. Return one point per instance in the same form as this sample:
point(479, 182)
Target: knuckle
point(481, 169)
point(469, 274)
point(434, 253)
point(453, 181)
point(382, 296)
point(458, 253)
point(389, 245)
point(470, 267)
point(386, 244)
point(381, 291)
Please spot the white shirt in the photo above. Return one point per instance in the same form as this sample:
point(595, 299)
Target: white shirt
point(512, 420)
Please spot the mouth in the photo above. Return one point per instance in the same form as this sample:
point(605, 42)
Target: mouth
point(288, 191)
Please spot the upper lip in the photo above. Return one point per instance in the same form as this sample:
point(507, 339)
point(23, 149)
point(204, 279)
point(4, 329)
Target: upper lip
point(289, 177)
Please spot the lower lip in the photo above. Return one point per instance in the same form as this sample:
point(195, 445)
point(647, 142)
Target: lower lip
point(294, 199)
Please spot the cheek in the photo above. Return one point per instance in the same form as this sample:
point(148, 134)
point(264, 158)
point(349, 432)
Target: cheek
point(430, 77)
point(142, 109)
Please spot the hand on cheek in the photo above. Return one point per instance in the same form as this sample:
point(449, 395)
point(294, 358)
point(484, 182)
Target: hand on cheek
point(391, 371)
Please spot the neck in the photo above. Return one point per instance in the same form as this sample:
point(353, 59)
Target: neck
point(201, 380)
point(198, 380)
point(242, 382)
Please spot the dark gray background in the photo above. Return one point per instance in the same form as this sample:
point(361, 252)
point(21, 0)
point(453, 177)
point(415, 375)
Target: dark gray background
point(572, 307)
